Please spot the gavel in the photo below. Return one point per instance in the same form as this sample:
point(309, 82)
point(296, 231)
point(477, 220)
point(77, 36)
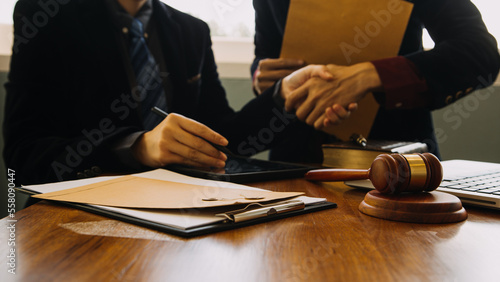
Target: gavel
point(391, 173)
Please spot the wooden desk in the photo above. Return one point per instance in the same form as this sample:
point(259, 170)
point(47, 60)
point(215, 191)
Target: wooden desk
point(57, 243)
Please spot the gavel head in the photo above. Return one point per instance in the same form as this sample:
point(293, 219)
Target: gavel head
point(396, 173)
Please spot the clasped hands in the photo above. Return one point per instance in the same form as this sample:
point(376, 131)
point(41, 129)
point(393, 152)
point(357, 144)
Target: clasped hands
point(322, 96)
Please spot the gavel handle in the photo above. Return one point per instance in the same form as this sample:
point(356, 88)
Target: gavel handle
point(334, 174)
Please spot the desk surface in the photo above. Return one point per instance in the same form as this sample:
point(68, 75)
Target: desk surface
point(55, 243)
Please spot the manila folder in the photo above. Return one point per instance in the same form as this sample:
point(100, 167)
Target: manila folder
point(345, 32)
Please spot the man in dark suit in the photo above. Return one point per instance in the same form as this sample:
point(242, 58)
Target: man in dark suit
point(465, 58)
point(78, 83)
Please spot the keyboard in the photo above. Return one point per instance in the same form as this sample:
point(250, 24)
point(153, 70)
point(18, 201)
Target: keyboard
point(475, 183)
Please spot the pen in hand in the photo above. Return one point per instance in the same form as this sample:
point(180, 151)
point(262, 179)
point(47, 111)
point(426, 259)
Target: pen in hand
point(223, 149)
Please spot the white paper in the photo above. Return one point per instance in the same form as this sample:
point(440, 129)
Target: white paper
point(181, 219)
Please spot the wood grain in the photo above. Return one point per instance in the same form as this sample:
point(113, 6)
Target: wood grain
point(337, 244)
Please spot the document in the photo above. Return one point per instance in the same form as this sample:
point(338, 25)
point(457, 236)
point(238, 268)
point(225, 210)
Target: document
point(139, 192)
point(180, 218)
point(346, 32)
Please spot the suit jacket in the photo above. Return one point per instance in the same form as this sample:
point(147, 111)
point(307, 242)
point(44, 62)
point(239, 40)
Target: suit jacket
point(69, 100)
point(465, 58)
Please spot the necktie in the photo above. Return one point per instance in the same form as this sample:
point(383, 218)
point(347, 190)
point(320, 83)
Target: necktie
point(149, 83)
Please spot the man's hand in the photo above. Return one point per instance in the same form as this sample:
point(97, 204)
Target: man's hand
point(179, 140)
point(335, 114)
point(298, 78)
point(348, 85)
point(271, 70)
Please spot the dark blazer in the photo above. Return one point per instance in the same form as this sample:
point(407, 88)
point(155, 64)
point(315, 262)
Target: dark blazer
point(69, 99)
point(465, 58)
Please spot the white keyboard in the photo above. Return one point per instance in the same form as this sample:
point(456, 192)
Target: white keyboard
point(473, 182)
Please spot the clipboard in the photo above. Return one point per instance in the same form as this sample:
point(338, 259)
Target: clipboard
point(243, 215)
point(223, 225)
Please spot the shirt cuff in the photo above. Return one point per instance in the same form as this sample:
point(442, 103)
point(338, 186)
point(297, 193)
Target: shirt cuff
point(254, 75)
point(277, 95)
point(123, 151)
point(404, 86)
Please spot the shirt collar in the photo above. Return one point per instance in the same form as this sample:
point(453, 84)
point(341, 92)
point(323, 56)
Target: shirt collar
point(123, 20)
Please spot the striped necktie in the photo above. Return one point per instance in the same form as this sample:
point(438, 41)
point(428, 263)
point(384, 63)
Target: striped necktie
point(149, 83)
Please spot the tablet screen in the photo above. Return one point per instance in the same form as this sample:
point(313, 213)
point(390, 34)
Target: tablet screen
point(243, 170)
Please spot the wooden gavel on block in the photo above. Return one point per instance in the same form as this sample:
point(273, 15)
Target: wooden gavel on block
point(391, 173)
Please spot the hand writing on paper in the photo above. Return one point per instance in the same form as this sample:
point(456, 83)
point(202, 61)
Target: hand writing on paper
point(271, 70)
point(315, 101)
point(179, 140)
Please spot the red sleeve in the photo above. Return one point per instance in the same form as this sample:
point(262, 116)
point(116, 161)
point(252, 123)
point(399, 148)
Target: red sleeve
point(403, 85)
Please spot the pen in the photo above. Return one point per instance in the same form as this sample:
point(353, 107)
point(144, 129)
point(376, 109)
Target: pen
point(223, 149)
point(358, 139)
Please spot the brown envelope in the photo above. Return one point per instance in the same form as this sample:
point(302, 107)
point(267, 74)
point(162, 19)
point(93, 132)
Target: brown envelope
point(345, 32)
point(139, 192)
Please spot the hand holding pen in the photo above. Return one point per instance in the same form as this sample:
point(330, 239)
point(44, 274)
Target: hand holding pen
point(180, 140)
point(164, 114)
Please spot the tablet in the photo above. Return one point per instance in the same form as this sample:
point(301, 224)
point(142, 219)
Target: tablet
point(244, 170)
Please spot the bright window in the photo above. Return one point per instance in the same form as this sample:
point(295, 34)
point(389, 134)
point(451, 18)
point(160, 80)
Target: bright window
point(235, 18)
point(227, 18)
point(6, 9)
point(489, 12)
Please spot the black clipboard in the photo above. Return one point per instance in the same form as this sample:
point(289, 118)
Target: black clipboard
point(195, 231)
point(244, 170)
